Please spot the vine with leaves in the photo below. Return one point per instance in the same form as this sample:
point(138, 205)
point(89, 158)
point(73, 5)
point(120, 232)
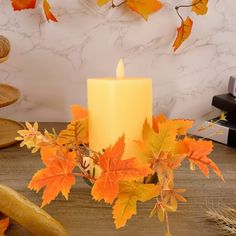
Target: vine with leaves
point(143, 7)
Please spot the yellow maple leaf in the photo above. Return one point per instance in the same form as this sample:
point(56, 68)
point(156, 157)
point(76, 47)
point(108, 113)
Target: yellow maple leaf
point(144, 7)
point(165, 139)
point(102, 2)
point(155, 143)
point(184, 32)
point(129, 194)
point(182, 125)
point(200, 7)
point(77, 131)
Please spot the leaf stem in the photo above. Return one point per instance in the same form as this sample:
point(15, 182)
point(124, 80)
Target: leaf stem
point(182, 6)
point(167, 223)
point(166, 214)
point(189, 5)
point(177, 10)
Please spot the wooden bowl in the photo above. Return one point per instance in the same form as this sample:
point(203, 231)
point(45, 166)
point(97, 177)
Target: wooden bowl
point(8, 95)
point(5, 48)
point(8, 132)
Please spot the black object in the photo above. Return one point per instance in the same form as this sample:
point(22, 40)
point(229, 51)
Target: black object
point(229, 129)
point(226, 103)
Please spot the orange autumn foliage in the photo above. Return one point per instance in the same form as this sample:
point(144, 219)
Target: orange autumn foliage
point(200, 7)
point(184, 32)
point(31, 4)
point(48, 12)
point(76, 131)
point(182, 125)
point(114, 169)
point(144, 7)
point(78, 112)
point(129, 193)
point(23, 4)
point(198, 151)
point(150, 174)
point(56, 177)
point(3, 226)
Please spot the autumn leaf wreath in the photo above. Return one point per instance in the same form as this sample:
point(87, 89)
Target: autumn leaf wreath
point(119, 182)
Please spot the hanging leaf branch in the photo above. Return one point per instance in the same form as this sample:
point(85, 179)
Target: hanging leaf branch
point(142, 7)
point(185, 29)
point(19, 5)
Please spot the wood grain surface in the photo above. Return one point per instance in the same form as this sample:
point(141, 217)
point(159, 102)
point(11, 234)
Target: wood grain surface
point(83, 216)
point(8, 132)
point(8, 95)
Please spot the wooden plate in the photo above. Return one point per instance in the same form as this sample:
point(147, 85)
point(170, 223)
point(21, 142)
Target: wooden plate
point(8, 132)
point(8, 95)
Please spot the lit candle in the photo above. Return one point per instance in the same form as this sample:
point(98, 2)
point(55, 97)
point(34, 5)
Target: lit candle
point(118, 106)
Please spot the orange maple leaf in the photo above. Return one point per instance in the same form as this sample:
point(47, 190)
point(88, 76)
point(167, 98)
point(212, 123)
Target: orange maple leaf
point(4, 225)
point(198, 151)
point(160, 118)
point(144, 7)
point(184, 32)
point(78, 112)
point(200, 6)
point(55, 178)
point(23, 4)
point(47, 11)
point(182, 125)
point(129, 194)
point(114, 169)
point(51, 153)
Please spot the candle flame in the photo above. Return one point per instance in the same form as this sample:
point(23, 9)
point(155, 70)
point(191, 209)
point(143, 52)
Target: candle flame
point(120, 70)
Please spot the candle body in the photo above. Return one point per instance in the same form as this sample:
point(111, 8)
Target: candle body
point(117, 107)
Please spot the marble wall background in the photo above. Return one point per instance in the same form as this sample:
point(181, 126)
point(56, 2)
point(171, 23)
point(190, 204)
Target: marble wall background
point(50, 62)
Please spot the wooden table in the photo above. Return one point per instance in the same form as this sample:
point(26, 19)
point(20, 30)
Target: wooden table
point(83, 216)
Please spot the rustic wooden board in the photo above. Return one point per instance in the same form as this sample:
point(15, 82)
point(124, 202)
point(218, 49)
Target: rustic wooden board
point(83, 216)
